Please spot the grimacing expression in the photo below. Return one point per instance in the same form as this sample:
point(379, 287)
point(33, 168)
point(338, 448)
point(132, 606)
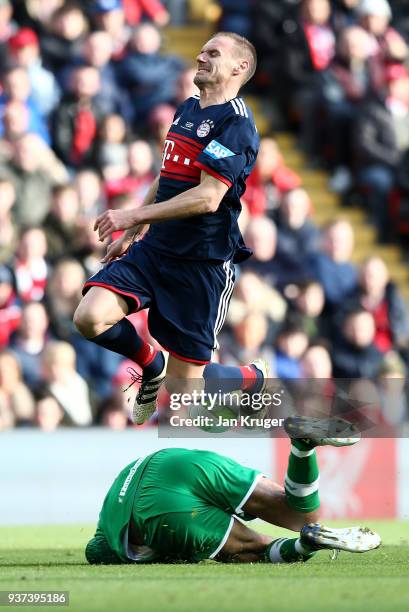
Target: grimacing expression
point(216, 62)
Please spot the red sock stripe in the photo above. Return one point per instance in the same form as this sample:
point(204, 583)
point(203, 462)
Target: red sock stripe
point(249, 377)
point(145, 355)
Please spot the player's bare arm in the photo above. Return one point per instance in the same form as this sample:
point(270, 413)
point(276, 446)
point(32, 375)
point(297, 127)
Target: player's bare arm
point(202, 199)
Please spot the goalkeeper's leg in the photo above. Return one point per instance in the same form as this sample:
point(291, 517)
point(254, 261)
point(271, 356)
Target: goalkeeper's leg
point(245, 545)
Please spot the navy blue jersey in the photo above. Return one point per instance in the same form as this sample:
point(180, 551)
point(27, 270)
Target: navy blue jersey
point(221, 140)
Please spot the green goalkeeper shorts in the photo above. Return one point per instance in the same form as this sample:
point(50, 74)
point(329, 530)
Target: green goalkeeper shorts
point(185, 501)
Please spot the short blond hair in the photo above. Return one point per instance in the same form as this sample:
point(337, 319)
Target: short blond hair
point(245, 49)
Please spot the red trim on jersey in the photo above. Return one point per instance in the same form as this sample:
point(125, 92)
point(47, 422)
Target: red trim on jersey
point(208, 170)
point(182, 169)
point(179, 177)
point(188, 359)
point(114, 290)
point(186, 139)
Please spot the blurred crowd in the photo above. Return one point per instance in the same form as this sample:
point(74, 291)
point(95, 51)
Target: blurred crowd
point(339, 71)
point(86, 98)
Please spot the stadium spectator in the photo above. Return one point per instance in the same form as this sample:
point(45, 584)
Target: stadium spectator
point(391, 388)
point(350, 78)
point(29, 341)
point(112, 413)
point(307, 48)
point(112, 151)
point(30, 266)
point(332, 266)
point(248, 342)
point(91, 251)
point(90, 193)
point(290, 345)
point(65, 384)
point(377, 294)
point(316, 363)
point(17, 88)
point(159, 121)
point(10, 309)
point(109, 15)
point(33, 170)
point(297, 236)
point(343, 14)
point(62, 39)
point(236, 16)
point(15, 124)
point(75, 121)
point(354, 354)
point(63, 224)
point(25, 50)
point(139, 10)
point(16, 401)
point(62, 295)
point(307, 300)
point(270, 179)
point(6, 30)
point(314, 392)
point(9, 230)
point(140, 175)
point(149, 76)
point(49, 414)
point(261, 237)
point(97, 52)
point(36, 14)
point(252, 294)
point(185, 88)
point(386, 42)
point(381, 139)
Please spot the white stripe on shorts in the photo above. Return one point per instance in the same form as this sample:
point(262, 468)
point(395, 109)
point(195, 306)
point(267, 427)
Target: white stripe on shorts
point(224, 302)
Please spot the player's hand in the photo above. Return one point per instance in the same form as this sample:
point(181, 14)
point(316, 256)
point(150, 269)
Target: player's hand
point(114, 220)
point(116, 249)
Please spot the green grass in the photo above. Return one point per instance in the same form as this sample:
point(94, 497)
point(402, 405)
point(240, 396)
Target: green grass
point(51, 558)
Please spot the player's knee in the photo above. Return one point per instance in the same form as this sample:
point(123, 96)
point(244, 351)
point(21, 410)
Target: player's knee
point(87, 320)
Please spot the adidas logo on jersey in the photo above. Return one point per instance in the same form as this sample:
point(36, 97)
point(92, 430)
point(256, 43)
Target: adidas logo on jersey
point(176, 121)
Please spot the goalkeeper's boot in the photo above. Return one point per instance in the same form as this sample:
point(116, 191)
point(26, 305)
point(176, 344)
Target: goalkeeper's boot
point(353, 539)
point(322, 432)
point(145, 401)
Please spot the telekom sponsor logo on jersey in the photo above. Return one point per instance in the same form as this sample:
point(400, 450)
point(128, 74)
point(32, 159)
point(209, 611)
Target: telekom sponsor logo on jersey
point(168, 147)
point(167, 154)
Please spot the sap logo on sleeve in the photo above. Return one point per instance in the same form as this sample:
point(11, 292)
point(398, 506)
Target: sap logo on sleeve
point(217, 151)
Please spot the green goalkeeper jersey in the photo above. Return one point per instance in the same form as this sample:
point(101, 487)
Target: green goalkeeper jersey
point(181, 501)
point(116, 514)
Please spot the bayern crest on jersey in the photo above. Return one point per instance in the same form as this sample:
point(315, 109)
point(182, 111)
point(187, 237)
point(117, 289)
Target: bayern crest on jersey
point(204, 128)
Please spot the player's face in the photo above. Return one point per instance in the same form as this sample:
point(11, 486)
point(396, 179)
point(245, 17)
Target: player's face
point(215, 62)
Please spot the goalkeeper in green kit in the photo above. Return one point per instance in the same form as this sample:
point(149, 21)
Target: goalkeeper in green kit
point(189, 505)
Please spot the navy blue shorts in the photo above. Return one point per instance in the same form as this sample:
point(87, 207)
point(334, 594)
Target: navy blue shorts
point(187, 300)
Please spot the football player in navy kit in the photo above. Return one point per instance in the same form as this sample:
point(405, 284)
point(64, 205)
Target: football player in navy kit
point(183, 268)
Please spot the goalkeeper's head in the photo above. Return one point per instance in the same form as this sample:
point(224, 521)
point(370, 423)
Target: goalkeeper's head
point(98, 551)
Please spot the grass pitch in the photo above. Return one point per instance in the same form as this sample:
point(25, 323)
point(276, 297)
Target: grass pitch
point(51, 558)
